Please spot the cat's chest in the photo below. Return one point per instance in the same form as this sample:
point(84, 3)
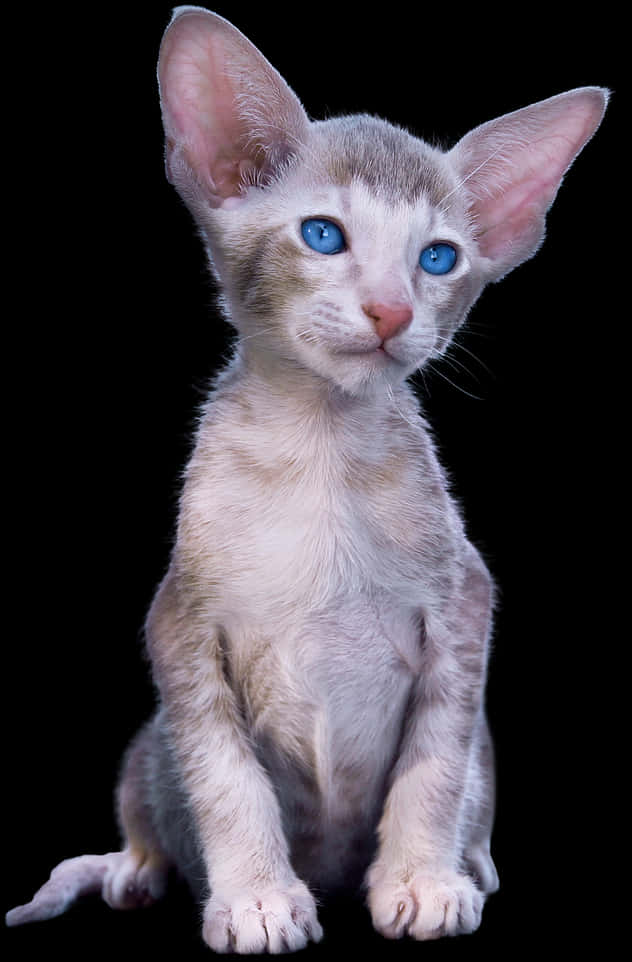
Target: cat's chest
point(321, 524)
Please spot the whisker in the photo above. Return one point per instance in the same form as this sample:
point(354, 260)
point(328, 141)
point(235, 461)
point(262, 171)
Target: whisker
point(456, 345)
point(458, 387)
point(482, 330)
point(307, 336)
point(425, 386)
point(457, 365)
point(461, 347)
point(391, 394)
point(248, 337)
point(454, 362)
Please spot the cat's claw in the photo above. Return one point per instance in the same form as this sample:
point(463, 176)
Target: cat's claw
point(426, 907)
point(275, 919)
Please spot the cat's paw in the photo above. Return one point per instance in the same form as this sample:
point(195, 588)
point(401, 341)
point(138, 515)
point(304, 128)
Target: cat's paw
point(427, 906)
point(132, 881)
point(274, 919)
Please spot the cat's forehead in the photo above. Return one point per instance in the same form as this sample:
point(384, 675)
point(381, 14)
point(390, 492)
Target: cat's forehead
point(394, 165)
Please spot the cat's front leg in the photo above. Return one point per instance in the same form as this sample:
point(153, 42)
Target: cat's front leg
point(256, 902)
point(417, 884)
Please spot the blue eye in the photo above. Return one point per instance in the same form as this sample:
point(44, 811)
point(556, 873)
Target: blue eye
point(323, 236)
point(438, 259)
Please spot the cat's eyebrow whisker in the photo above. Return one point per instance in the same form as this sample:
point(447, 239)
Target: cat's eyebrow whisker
point(443, 209)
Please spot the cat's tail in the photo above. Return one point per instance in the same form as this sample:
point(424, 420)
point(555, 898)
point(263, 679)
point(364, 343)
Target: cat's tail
point(122, 881)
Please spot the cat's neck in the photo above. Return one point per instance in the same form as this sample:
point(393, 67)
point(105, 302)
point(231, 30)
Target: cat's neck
point(306, 418)
point(294, 391)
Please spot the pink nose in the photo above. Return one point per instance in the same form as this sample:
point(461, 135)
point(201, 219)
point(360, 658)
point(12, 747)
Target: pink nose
point(389, 319)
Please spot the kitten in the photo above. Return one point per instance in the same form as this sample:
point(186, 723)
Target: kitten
point(319, 643)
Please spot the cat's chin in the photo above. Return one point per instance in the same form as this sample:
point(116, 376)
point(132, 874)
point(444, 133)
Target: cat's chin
point(361, 372)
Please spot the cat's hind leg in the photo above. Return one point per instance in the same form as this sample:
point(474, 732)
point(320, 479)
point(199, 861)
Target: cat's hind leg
point(479, 813)
point(139, 877)
point(132, 878)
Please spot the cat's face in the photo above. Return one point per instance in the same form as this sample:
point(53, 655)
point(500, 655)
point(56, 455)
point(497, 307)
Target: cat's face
point(358, 249)
point(365, 303)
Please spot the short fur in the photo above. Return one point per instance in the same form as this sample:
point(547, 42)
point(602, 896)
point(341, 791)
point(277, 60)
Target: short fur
point(320, 641)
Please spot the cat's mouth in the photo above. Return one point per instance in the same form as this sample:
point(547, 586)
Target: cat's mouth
point(378, 352)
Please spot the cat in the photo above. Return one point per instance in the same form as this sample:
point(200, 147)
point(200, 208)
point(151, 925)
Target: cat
point(319, 643)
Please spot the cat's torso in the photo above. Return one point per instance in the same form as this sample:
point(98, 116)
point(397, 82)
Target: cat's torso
point(323, 649)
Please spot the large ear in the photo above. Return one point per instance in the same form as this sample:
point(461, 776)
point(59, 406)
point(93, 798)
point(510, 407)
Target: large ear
point(229, 117)
point(512, 167)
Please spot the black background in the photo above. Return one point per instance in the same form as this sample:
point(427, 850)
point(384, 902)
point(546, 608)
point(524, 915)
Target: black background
point(109, 344)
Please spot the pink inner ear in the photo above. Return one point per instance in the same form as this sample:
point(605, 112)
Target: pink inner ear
point(513, 217)
point(224, 106)
point(512, 168)
point(199, 104)
point(516, 213)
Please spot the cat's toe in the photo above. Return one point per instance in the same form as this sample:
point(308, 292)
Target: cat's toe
point(273, 920)
point(132, 882)
point(447, 904)
point(427, 906)
point(392, 909)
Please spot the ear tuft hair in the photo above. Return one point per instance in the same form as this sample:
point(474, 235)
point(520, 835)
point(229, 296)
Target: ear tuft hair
point(229, 117)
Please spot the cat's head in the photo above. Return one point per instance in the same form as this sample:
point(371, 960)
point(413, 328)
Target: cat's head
point(348, 247)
